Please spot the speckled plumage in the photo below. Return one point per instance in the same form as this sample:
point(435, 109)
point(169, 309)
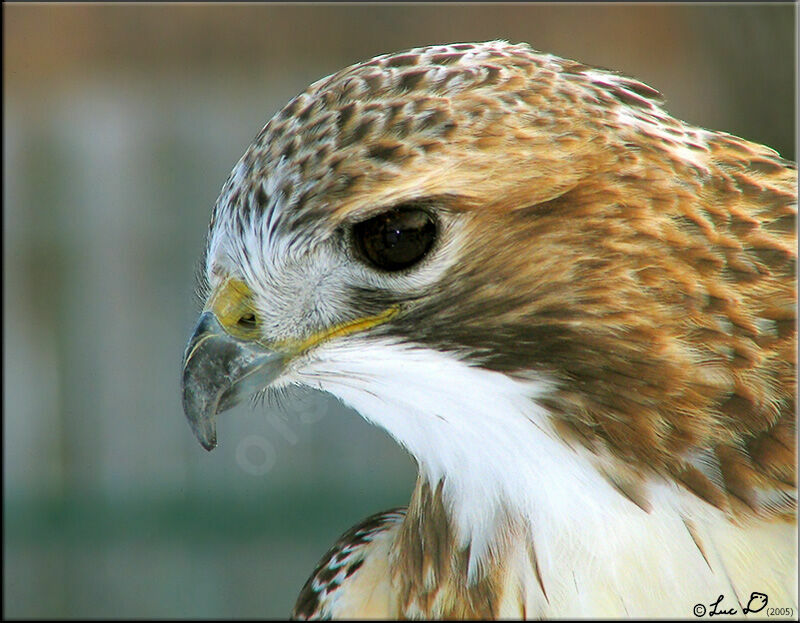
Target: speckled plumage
point(644, 267)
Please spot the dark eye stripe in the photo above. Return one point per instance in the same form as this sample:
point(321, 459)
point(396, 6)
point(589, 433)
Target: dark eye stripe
point(396, 239)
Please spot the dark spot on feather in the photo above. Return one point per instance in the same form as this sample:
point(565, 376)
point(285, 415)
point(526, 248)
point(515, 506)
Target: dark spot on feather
point(302, 164)
point(572, 68)
point(641, 89)
point(304, 198)
point(766, 167)
point(261, 199)
point(289, 149)
point(374, 82)
point(738, 408)
point(447, 129)
point(698, 483)
point(322, 152)
point(411, 79)
point(290, 108)
point(430, 120)
point(746, 185)
point(307, 603)
point(449, 77)
point(353, 568)
point(317, 126)
point(731, 144)
point(286, 189)
point(773, 258)
point(492, 76)
point(604, 97)
point(335, 162)
point(384, 152)
point(345, 114)
point(395, 110)
point(305, 114)
point(402, 128)
point(403, 60)
point(356, 134)
point(446, 59)
point(786, 328)
point(327, 574)
point(741, 225)
point(688, 224)
point(739, 267)
point(345, 182)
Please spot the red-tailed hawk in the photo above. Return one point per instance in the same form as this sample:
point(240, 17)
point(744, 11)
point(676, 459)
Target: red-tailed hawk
point(576, 312)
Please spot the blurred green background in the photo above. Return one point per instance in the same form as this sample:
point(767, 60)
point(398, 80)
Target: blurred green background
point(121, 124)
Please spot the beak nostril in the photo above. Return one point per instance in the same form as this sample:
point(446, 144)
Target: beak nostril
point(247, 321)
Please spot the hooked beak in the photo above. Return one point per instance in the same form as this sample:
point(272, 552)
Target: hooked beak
point(219, 371)
point(226, 359)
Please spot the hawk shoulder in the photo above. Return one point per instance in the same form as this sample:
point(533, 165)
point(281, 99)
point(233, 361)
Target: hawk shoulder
point(352, 580)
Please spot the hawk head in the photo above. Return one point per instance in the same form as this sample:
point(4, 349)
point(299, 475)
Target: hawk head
point(518, 266)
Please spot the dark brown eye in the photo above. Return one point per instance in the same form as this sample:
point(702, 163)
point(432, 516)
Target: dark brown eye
point(396, 239)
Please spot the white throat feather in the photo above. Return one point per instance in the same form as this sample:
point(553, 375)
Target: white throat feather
point(480, 431)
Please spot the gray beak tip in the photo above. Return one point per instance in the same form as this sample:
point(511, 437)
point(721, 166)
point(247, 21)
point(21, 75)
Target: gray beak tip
point(208, 442)
point(206, 433)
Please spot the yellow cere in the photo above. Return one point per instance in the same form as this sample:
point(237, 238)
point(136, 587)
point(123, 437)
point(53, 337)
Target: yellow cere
point(231, 303)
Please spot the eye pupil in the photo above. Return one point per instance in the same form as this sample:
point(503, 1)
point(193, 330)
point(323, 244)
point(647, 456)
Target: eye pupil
point(396, 239)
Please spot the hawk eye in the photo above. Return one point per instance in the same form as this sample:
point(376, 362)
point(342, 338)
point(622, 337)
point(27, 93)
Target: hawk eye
point(395, 239)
